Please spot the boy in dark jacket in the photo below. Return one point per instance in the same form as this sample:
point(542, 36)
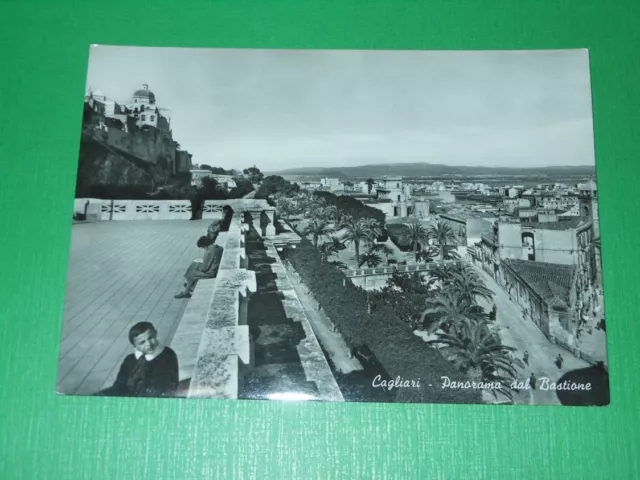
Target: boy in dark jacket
point(151, 371)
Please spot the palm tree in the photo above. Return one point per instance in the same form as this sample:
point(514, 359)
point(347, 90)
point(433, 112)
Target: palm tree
point(329, 213)
point(443, 235)
point(333, 246)
point(383, 248)
point(450, 311)
point(371, 258)
point(356, 231)
point(428, 254)
point(317, 228)
point(440, 275)
point(468, 285)
point(370, 183)
point(417, 235)
point(481, 355)
point(339, 264)
point(374, 226)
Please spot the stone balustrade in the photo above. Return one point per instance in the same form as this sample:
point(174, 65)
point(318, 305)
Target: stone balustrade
point(391, 269)
point(212, 340)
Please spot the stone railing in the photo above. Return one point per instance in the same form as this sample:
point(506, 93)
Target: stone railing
point(391, 269)
point(212, 340)
point(154, 210)
point(261, 212)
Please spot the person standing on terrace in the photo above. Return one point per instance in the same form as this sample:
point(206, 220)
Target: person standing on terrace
point(208, 266)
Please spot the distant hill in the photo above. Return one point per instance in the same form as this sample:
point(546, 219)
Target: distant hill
point(431, 169)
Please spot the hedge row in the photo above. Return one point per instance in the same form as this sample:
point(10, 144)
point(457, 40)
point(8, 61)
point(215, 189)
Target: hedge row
point(352, 206)
point(399, 351)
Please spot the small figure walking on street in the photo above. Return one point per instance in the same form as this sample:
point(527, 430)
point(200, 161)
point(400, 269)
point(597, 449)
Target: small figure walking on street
point(532, 381)
point(525, 357)
point(559, 361)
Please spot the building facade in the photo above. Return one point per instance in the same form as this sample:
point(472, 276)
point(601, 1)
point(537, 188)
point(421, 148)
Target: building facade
point(566, 242)
point(392, 189)
point(548, 295)
point(467, 228)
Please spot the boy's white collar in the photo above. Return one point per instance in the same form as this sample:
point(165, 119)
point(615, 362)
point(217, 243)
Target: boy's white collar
point(148, 356)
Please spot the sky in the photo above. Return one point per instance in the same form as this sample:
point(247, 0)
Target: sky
point(280, 109)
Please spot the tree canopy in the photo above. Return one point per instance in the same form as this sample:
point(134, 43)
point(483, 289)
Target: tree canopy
point(254, 174)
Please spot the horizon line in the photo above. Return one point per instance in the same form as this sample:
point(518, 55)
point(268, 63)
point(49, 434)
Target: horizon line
point(434, 164)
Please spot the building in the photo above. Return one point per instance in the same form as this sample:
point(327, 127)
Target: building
point(420, 207)
point(489, 256)
point(114, 114)
point(547, 215)
point(548, 295)
point(331, 184)
point(559, 202)
point(513, 192)
point(527, 214)
point(198, 175)
point(588, 189)
point(144, 109)
point(511, 205)
point(467, 227)
point(393, 190)
point(565, 242)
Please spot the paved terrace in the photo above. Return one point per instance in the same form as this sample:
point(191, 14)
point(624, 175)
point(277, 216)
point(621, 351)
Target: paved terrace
point(121, 273)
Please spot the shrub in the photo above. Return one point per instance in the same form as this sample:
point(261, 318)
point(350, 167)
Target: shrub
point(397, 233)
point(243, 187)
point(117, 192)
point(398, 350)
point(276, 184)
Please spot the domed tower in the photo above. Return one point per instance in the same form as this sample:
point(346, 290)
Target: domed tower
point(143, 107)
point(144, 95)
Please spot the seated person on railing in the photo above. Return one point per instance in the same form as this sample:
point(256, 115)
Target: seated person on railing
point(208, 267)
point(151, 371)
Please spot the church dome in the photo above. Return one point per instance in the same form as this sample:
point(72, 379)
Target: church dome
point(145, 94)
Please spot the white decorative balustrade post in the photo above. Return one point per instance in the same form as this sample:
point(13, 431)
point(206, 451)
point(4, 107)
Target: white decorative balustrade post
point(270, 229)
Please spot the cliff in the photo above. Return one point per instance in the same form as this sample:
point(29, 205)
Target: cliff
point(111, 156)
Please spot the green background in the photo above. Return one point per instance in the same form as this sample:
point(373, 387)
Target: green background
point(43, 53)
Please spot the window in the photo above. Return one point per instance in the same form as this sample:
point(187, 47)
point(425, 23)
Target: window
point(152, 117)
point(135, 100)
point(143, 117)
point(398, 197)
point(397, 185)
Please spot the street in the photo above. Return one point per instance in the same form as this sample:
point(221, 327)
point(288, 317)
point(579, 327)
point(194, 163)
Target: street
point(524, 335)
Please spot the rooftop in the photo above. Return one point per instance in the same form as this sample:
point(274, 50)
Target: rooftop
point(560, 225)
point(552, 282)
point(490, 237)
point(466, 215)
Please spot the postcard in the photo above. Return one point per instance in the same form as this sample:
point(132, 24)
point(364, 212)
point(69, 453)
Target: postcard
point(349, 226)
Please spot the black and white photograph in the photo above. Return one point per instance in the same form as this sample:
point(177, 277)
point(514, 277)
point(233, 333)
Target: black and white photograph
point(336, 225)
